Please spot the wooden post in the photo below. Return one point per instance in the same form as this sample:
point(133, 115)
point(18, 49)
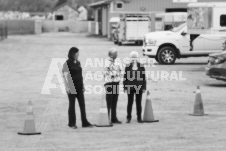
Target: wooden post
point(6, 25)
point(153, 22)
point(1, 33)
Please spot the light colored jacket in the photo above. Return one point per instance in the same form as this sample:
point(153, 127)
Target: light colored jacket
point(112, 71)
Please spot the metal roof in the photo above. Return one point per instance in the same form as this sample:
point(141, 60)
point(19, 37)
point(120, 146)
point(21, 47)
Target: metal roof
point(210, 4)
point(62, 5)
point(101, 3)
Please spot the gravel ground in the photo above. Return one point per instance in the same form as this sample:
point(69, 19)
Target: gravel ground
point(25, 61)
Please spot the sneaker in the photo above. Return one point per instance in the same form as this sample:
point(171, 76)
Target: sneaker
point(116, 122)
point(139, 121)
point(128, 120)
point(88, 125)
point(73, 127)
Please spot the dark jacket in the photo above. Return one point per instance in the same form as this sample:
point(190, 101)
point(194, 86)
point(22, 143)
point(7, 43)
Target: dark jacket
point(75, 78)
point(134, 77)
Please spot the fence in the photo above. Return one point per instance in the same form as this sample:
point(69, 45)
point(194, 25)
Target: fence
point(22, 27)
point(3, 31)
point(68, 26)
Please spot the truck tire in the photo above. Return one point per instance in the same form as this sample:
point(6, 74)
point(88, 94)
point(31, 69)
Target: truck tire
point(119, 43)
point(167, 55)
point(116, 42)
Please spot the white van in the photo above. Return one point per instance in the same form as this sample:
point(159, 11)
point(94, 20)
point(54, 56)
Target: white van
point(167, 46)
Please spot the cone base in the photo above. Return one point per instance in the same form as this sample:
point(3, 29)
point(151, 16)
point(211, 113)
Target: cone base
point(198, 114)
point(103, 125)
point(154, 121)
point(22, 133)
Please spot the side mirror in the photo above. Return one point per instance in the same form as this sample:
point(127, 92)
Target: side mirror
point(183, 33)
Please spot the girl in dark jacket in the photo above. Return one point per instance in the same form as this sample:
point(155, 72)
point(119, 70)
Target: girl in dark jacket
point(73, 79)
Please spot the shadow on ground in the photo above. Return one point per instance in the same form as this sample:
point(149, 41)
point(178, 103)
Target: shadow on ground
point(218, 85)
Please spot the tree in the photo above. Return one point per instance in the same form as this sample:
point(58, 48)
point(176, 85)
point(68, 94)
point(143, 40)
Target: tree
point(38, 5)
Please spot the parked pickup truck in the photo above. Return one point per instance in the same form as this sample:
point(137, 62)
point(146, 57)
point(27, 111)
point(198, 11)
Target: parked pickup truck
point(167, 46)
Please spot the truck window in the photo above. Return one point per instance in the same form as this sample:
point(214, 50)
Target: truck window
point(179, 28)
point(223, 20)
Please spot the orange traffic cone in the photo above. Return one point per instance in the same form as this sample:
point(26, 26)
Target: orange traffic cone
point(198, 107)
point(29, 125)
point(103, 120)
point(148, 111)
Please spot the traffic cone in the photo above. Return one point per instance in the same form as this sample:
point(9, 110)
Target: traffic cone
point(103, 120)
point(198, 107)
point(148, 111)
point(29, 124)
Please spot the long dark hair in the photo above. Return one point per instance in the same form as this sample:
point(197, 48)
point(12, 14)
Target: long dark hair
point(71, 53)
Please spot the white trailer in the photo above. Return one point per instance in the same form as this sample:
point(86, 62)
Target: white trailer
point(207, 18)
point(132, 28)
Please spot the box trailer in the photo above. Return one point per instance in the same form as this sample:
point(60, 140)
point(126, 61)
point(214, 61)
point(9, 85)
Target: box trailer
point(132, 28)
point(207, 18)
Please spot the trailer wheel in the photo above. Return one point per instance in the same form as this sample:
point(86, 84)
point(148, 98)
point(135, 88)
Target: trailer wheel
point(167, 55)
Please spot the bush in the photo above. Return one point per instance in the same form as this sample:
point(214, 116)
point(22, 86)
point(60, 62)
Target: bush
point(63, 29)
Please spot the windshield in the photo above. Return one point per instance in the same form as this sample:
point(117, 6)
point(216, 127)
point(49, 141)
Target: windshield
point(179, 28)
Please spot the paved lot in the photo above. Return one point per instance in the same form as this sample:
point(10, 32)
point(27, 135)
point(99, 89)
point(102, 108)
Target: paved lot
point(24, 63)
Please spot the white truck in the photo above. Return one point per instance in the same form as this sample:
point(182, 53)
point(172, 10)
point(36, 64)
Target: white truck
point(167, 46)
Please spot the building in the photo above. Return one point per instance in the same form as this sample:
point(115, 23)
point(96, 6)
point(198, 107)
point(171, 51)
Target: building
point(83, 13)
point(65, 11)
point(107, 11)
